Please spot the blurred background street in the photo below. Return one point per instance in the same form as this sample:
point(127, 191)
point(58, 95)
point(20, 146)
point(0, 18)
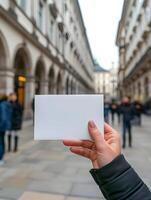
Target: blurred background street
point(47, 170)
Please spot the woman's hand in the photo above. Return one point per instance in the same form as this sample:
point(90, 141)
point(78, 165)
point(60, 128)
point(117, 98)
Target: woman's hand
point(101, 150)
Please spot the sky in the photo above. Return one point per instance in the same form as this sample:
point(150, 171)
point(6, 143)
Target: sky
point(101, 18)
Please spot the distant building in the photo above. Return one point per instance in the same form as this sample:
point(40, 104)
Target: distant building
point(113, 81)
point(134, 43)
point(44, 49)
point(105, 82)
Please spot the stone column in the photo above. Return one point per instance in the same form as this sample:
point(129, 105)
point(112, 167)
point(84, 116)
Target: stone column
point(6, 81)
point(29, 95)
point(77, 88)
point(54, 88)
point(44, 87)
point(51, 88)
point(63, 89)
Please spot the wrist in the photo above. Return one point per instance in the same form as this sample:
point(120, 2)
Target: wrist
point(109, 171)
point(107, 158)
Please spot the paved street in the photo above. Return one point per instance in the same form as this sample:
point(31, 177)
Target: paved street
point(48, 171)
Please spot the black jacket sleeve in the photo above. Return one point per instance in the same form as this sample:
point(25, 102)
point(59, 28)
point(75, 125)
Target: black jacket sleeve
point(119, 181)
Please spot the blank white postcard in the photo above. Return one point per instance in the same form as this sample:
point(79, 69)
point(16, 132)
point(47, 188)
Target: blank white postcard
point(59, 117)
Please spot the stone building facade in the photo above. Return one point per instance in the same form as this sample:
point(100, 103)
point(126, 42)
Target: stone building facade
point(134, 43)
point(105, 82)
point(43, 49)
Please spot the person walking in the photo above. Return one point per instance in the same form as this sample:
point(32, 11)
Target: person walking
point(118, 111)
point(16, 122)
point(113, 108)
point(5, 123)
point(33, 108)
point(127, 112)
point(138, 109)
point(106, 112)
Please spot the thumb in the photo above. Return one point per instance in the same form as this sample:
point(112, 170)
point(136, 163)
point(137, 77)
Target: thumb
point(96, 136)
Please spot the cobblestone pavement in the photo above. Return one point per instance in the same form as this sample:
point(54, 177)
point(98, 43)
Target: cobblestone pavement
point(48, 171)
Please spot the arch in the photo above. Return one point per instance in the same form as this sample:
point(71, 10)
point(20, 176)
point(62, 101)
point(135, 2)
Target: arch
point(3, 52)
point(2, 55)
point(22, 69)
point(22, 62)
point(23, 50)
point(51, 80)
point(59, 83)
point(40, 74)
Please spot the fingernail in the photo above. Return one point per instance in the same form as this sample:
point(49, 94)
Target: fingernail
point(92, 124)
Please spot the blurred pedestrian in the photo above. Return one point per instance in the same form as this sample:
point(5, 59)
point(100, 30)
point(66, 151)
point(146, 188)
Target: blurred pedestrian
point(127, 114)
point(113, 109)
point(33, 108)
point(16, 122)
point(106, 112)
point(138, 109)
point(5, 123)
point(33, 105)
point(118, 111)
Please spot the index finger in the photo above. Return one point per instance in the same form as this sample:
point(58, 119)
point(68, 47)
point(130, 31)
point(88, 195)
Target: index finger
point(83, 143)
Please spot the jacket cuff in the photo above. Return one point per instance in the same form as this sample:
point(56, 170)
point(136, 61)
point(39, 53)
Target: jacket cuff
point(110, 171)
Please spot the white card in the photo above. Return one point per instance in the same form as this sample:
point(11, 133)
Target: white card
point(59, 117)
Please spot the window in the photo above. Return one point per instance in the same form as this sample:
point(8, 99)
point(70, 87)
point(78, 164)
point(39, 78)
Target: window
point(65, 7)
point(67, 36)
point(71, 45)
point(77, 35)
point(127, 24)
point(130, 15)
point(145, 3)
point(139, 18)
point(22, 4)
point(60, 41)
point(71, 20)
point(40, 15)
point(75, 29)
point(131, 37)
point(134, 3)
point(134, 29)
point(51, 30)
